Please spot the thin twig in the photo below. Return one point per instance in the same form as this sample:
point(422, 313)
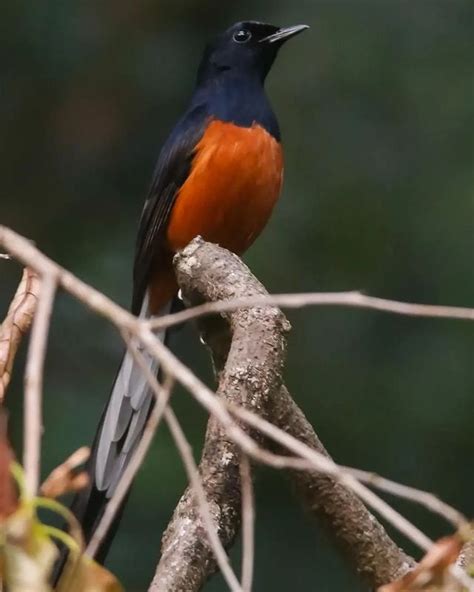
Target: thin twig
point(17, 323)
point(424, 498)
point(352, 299)
point(23, 250)
point(195, 480)
point(162, 394)
point(34, 384)
point(327, 465)
point(65, 478)
point(188, 461)
point(248, 520)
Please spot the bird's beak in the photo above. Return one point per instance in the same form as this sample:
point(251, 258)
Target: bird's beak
point(284, 34)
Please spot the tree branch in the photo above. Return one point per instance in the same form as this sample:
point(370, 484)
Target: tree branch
point(348, 522)
point(33, 410)
point(243, 426)
point(352, 299)
point(16, 324)
point(248, 524)
point(250, 377)
point(247, 346)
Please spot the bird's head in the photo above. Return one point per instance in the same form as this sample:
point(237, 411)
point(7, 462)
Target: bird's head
point(248, 47)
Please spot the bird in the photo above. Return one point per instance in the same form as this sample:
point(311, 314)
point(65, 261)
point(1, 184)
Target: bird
point(218, 175)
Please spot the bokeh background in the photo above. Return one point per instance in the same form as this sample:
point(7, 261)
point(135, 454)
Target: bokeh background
point(376, 108)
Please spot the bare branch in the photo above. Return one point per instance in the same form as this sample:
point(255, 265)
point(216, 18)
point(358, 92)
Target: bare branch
point(179, 570)
point(424, 498)
point(322, 462)
point(436, 570)
point(461, 577)
point(234, 434)
point(248, 520)
point(24, 251)
point(203, 272)
point(191, 469)
point(33, 414)
point(63, 479)
point(351, 299)
point(16, 324)
point(252, 374)
point(328, 493)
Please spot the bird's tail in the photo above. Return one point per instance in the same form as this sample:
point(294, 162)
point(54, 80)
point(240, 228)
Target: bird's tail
point(120, 429)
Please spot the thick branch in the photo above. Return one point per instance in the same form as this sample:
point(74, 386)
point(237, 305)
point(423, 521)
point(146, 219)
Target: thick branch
point(359, 535)
point(250, 378)
point(248, 351)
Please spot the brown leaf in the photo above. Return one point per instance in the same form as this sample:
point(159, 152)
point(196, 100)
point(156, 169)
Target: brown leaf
point(64, 478)
point(16, 324)
point(28, 553)
point(8, 491)
point(88, 576)
point(432, 569)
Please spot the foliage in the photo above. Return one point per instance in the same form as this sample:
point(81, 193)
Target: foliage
point(27, 548)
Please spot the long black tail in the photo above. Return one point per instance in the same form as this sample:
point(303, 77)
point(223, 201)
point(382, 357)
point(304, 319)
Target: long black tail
point(120, 429)
point(89, 505)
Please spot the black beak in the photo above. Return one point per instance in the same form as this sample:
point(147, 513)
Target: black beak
point(284, 34)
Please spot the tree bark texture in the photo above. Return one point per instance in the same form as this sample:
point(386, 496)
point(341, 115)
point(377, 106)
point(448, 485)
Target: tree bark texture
point(248, 350)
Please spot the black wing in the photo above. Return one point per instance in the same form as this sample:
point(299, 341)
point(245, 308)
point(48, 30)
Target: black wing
point(172, 170)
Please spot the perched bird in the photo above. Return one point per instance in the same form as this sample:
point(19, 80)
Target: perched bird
point(219, 175)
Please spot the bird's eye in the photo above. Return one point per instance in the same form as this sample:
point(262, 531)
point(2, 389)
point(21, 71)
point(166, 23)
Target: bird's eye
point(242, 36)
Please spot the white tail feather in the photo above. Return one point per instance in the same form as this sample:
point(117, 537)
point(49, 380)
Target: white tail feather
point(125, 416)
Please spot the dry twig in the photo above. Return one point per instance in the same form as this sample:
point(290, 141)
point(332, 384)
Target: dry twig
point(192, 472)
point(351, 299)
point(33, 426)
point(169, 574)
point(325, 464)
point(248, 520)
point(16, 324)
point(232, 433)
point(63, 479)
point(436, 571)
point(424, 498)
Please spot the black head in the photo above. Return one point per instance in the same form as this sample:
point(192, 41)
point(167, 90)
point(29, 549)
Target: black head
point(247, 46)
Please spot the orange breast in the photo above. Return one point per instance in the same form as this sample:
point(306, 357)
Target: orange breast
point(235, 180)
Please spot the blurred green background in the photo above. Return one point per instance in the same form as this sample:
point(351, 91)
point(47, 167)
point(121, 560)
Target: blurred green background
point(376, 108)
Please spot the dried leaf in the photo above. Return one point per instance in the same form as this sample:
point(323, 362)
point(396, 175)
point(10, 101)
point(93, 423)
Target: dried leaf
point(8, 490)
point(88, 576)
point(64, 478)
point(16, 324)
point(432, 571)
point(28, 553)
